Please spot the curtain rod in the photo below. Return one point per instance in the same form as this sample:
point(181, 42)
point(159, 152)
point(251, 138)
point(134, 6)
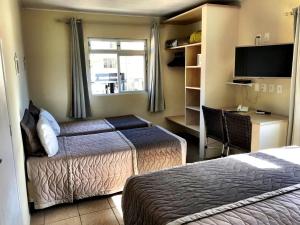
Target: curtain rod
point(66, 21)
point(289, 13)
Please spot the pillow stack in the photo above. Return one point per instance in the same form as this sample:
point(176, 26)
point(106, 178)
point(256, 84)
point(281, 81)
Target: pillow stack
point(47, 136)
point(40, 130)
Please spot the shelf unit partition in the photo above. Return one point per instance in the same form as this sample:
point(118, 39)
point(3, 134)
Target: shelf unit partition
point(192, 85)
point(205, 84)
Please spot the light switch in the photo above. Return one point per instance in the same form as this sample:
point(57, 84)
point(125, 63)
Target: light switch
point(271, 88)
point(263, 88)
point(279, 89)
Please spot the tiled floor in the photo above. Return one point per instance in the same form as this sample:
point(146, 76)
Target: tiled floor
point(104, 211)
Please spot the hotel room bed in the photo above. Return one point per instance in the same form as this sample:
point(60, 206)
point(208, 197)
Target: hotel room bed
point(259, 188)
point(102, 125)
point(99, 164)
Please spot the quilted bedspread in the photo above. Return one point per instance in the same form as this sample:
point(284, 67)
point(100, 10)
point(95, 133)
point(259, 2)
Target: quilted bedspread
point(99, 164)
point(102, 125)
point(279, 208)
point(84, 127)
point(257, 188)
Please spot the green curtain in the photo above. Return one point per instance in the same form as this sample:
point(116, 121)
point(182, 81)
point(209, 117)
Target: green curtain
point(80, 107)
point(156, 93)
point(294, 112)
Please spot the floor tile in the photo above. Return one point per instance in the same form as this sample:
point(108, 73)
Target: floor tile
point(37, 218)
point(119, 214)
point(104, 217)
point(92, 206)
point(70, 221)
point(60, 213)
point(115, 201)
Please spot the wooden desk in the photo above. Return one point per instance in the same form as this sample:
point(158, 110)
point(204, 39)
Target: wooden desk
point(268, 131)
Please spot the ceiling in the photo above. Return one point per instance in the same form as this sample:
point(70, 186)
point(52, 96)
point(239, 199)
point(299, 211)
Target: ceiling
point(138, 7)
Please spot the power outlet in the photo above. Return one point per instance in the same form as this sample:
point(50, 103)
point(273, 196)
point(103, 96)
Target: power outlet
point(266, 37)
point(256, 87)
point(263, 88)
point(279, 89)
point(271, 88)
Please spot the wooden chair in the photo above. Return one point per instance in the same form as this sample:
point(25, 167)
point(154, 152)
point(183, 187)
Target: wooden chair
point(214, 127)
point(239, 129)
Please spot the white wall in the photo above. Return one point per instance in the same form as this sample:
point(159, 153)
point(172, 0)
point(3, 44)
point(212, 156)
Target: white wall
point(259, 17)
point(11, 36)
point(47, 56)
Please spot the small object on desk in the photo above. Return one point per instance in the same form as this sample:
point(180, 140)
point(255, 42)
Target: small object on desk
point(241, 108)
point(261, 112)
point(242, 81)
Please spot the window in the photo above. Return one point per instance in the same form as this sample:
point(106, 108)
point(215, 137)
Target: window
point(117, 66)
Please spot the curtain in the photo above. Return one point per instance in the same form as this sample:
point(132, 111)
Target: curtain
point(294, 117)
point(156, 94)
point(80, 106)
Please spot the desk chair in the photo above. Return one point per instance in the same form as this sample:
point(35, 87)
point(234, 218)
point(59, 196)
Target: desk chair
point(239, 129)
point(214, 127)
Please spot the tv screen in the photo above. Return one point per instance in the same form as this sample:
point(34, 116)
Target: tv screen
point(264, 61)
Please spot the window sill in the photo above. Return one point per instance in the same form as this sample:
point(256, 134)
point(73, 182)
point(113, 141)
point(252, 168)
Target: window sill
point(123, 93)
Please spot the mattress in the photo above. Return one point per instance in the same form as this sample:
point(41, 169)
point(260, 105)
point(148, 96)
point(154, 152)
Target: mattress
point(240, 189)
point(102, 125)
point(99, 164)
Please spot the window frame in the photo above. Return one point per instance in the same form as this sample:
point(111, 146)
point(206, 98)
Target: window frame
point(119, 53)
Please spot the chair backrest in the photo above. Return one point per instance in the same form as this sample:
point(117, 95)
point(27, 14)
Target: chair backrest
point(239, 130)
point(214, 124)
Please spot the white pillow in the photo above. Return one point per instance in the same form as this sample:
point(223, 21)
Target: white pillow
point(47, 136)
point(51, 121)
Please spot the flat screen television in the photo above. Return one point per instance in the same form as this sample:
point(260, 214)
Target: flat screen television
point(264, 61)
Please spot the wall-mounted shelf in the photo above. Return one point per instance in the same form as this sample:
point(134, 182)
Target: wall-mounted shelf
point(193, 88)
point(195, 108)
point(193, 67)
point(184, 46)
point(240, 84)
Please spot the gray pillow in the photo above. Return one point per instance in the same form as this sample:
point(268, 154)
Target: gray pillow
point(32, 142)
point(35, 111)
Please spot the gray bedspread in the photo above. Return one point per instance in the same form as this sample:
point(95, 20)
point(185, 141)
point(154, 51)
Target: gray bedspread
point(156, 148)
point(281, 207)
point(181, 195)
point(84, 127)
point(99, 164)
point(102, 125)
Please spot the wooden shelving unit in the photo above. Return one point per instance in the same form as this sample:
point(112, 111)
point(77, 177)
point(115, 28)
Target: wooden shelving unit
point(192, 86)
point(207, 83)
point(192, 79)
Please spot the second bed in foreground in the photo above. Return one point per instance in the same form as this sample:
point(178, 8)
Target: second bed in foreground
point(259, 188)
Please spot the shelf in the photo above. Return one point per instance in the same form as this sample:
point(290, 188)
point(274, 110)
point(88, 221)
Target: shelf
point(193, 67)
point(193, 88)
point(188, 17)
point(180, 120)
point(239, 84)
point(184, 46)
point(195, 108)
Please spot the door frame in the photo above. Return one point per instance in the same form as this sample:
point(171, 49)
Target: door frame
point(3, 77)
